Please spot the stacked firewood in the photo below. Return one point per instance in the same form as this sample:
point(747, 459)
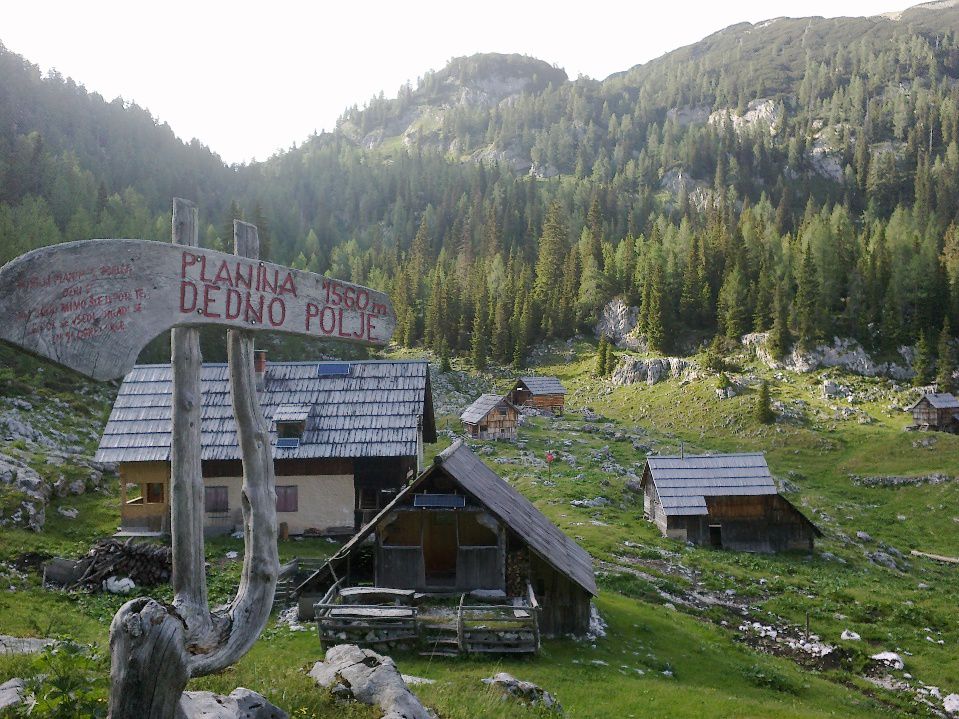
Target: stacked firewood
point(146, 564)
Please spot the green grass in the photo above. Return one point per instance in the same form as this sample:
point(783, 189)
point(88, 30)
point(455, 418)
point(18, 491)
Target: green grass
point(714, 674)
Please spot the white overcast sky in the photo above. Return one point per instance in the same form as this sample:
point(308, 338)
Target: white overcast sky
point(250, 78)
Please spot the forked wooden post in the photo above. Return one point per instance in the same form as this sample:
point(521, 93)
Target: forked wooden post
point(186, 472)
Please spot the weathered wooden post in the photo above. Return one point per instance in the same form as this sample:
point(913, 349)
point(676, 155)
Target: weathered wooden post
point(92, 306)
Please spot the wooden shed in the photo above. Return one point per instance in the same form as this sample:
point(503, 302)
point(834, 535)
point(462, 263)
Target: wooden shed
point(937, 411)
point(543, 393)
point(723, 500)
point(460, 528)
point(346, 437)
point(492, 416)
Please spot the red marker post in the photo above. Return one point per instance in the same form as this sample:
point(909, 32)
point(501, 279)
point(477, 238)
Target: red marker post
point(550, 457)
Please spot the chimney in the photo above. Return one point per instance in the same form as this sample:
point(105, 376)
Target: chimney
point(259, 367)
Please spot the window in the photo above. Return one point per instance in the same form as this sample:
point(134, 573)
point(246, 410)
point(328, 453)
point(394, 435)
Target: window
point(216, 499)
point(290, 430)
point(286, 498)
point(502, 411)
point(154, 493)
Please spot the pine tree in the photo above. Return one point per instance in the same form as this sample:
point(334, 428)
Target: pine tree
point(764, 410)
point(733, 312)
point(655, 328)
point(946, 360)
point(922, 362)
point(445, 363)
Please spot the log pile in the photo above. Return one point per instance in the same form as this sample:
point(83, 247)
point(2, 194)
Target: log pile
point(146, 564)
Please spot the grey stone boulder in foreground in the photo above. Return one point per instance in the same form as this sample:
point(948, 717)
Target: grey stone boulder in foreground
point(241, 704)
point(23, 645)
point(350, 672)
point(11, 693)
point(524, 692)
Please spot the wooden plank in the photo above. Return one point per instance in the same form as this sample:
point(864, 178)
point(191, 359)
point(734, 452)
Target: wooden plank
point(937, 557)
point(384, 612)
point(93, 305)
point(386, 593)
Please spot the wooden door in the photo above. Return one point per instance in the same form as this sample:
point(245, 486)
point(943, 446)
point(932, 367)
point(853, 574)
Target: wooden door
point(439, 548)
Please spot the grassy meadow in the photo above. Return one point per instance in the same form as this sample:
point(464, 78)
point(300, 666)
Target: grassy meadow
point(665, 654)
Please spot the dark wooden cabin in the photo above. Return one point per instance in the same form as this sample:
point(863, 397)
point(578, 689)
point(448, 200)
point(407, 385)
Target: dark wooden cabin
point(723, 500)
point(491, 416)
point(346, 437)
point(458, 528)
point(542, 393)
point(936, 411)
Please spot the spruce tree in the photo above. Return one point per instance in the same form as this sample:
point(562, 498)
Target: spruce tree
point(655, 320)
point(602, 350)
point(779, 337)
point(611, 359)
point(807, 303)
point(922, 362)
point(764, 410)
point(445, 363)
point(947, 360)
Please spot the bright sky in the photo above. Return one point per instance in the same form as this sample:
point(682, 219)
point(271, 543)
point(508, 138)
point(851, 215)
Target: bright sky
point(250, 78)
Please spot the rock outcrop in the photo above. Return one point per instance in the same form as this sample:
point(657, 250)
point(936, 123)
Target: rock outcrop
point(764, 112)
point(618, 322)
point(352, 673)
point(240, 704)
point(11, 693)
point(632, 370)
point(844, 353)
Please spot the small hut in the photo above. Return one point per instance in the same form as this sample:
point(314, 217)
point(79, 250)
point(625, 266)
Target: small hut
point(936, 411)
point(543, 393)
point(459, 528)
point(723, 500)
point(492, 416)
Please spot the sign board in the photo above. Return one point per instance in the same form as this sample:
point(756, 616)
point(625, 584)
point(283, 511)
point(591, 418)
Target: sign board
point(94, 305)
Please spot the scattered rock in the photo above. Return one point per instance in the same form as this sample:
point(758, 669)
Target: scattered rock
point(950, 703)
point(351, 673)
point(889, 659)
point(864, 536)
point(68, 512)
point(23, 645)
point(597, 502)
point(597, 625)
point(11, 693)
point(240, 704)
point(897, 481)
point(850, 636)
point(232, 554)
point(525, 692)
point(412, 681)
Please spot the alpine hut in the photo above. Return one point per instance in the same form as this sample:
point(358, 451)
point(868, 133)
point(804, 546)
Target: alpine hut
point(723, 500)
point(491, 416)
point(543, 393)
point(938, 411)
point(460, 528)
point(346, 437)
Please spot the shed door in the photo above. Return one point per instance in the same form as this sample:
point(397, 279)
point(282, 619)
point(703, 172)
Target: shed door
point(439, 548)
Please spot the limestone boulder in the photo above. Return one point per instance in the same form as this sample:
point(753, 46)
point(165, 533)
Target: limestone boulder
point(240, 704)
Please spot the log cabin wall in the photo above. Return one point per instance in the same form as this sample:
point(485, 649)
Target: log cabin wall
point(565, 606)
point(757, 524)
point(554, 403)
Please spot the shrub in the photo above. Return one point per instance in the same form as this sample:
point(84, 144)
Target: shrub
point(70, 681)
point(767, 677)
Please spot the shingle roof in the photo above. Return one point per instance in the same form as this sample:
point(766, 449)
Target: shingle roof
point(684, 482)
point(942, 400)
point(482, 407)
point(543, 385)
point(373, 411)
point(508, 505)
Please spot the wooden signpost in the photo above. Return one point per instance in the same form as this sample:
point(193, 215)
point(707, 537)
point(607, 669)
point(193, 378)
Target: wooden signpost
point(92, 306)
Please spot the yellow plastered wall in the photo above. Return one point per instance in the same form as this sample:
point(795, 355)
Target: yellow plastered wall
point(323, 502)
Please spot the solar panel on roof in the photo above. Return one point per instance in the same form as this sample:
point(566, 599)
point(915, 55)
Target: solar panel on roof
point(288, 443)
point(333, 369)
point(442, 501)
